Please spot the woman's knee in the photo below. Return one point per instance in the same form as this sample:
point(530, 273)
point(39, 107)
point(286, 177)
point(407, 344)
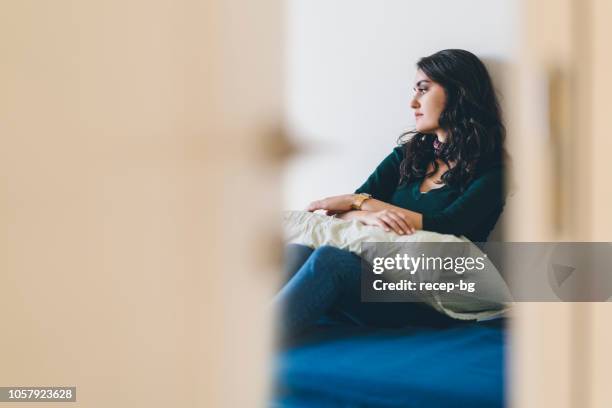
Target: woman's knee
point(335, 261)
point(328, 252)
point(295, 255)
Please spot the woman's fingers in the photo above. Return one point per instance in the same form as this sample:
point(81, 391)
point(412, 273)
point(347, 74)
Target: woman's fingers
point(403, 224)
point(392, 223)
point(397, 222)
point(315, 205)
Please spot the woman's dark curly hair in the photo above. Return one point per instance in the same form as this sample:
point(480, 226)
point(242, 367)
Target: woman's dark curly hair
point(472, 117)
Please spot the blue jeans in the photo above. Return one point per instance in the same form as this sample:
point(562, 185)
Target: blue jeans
point(328, 279)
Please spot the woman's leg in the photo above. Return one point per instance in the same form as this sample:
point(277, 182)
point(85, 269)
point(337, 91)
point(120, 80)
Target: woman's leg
point(330, 279)
point(316, 286)
point(294, 256)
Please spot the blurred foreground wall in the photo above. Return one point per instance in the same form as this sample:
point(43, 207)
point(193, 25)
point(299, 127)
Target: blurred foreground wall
point(135, 152)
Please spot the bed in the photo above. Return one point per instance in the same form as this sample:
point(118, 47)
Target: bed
point(340, 365)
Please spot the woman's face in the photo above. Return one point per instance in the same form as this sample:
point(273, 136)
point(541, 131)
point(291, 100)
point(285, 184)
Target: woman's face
point(428, 103)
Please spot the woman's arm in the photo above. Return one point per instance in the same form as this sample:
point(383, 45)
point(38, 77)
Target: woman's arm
point(374, 212)
point(412, 218)
point(381, 184)
point(483, 196)
point(388, 219)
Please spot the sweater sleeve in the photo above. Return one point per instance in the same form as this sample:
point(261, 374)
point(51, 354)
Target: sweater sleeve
point(383, 181)
point(482, 197)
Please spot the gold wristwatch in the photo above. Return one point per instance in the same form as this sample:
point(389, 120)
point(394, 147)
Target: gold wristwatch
point(359, 200)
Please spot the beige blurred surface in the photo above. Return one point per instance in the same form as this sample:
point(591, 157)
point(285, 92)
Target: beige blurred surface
point(540, 353)
point(130, 143)
point(600, 355)
point(559, 354)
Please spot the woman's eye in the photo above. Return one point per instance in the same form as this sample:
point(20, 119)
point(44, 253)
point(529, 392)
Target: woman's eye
point(422, 90)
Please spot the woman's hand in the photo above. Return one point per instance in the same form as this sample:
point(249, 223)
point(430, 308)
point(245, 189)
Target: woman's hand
point(400, 220)
point(333, 205)
point(389, 219)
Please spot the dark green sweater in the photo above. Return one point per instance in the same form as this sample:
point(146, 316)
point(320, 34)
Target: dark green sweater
point(446, 210)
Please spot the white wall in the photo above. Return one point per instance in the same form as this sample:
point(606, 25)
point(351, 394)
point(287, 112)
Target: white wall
point(350, 66)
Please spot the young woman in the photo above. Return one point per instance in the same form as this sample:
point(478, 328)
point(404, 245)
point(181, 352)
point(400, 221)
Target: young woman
point(447, 177)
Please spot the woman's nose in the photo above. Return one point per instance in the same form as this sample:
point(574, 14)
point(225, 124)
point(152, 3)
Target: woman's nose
point(414, 104)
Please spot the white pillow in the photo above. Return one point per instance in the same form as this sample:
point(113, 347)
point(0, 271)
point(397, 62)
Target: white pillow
point(315, 230)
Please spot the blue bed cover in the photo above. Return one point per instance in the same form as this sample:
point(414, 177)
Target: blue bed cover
point(338, 365)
